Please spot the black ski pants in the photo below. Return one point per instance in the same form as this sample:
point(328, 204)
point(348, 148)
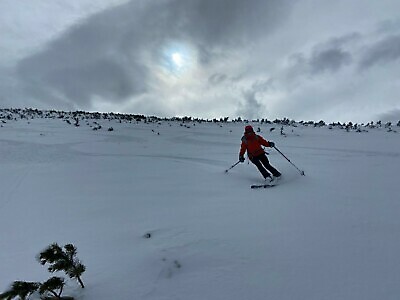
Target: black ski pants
point(262, 164)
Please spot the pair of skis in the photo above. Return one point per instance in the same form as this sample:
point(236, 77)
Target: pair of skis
point(255, 186)
point(264, 185)
point(260, 186)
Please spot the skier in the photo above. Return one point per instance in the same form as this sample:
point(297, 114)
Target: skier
point(251, 142)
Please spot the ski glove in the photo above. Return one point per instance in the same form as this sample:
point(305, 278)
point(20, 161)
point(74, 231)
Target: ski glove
point(271, 144)
point(241, 158)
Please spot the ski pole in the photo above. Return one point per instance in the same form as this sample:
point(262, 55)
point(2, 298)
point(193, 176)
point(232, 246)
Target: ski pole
point(301, 172)
point(226, 171)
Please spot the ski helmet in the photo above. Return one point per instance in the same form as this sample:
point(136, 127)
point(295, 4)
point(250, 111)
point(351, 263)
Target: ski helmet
point(248, 128)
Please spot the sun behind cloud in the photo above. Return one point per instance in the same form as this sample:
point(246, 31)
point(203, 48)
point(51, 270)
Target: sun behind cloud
point(177, 59)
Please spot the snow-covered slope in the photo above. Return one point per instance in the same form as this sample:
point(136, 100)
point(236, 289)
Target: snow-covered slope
point(332, 234)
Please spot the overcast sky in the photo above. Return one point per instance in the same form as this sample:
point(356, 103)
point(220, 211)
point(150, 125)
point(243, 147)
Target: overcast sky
point(301, 59)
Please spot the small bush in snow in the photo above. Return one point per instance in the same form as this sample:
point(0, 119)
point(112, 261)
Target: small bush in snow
point(52, 289)
point(20, 289)
point(60, 259)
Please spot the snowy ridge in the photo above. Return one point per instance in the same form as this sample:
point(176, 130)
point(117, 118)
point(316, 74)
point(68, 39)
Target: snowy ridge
point(154, 215)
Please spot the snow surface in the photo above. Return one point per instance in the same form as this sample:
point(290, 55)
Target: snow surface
point(332, 234)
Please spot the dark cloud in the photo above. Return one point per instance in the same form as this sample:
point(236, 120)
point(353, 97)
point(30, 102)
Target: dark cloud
point(103, 77)
point(233, 21)
point(382, 52)
point(112, 55)
point(83, 63)
point(330, 60)
point(326, 57)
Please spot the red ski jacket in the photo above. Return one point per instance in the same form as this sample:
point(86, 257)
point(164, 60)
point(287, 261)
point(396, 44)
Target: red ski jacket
point(252, 143)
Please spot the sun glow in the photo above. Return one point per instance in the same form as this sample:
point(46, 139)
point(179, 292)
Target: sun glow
point(177, 59)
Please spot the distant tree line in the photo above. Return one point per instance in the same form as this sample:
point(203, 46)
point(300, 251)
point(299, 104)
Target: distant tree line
point(76, 117)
